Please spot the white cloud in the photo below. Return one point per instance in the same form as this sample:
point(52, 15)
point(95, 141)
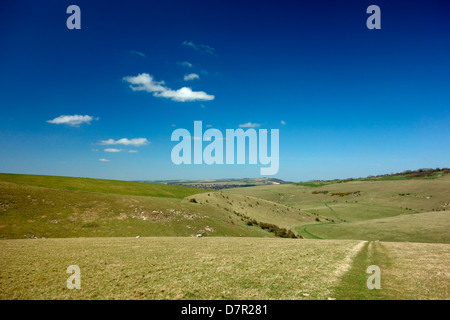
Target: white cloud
point(199, 47)
point(103, 160)
point(191, 76)
point(145, 82)
point(119, 150)
point(249, 125)
point(72, 120)
point(283, 122)
point(186, 64)
point(136, 142)
point(184, 94)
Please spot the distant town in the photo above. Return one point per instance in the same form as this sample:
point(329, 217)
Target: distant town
point(218, 184)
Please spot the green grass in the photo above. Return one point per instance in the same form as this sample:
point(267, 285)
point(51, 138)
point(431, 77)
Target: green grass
point(173, 268)
point(100, 220)
point(361, 214)
point(313, 184)
point(221, 268)
point(408, 271)
point(101, 186)
point(430, 227)
point(29, 211)
point(255, 208)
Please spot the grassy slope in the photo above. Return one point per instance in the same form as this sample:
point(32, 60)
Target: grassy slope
point(254, 208)
point(102, 186)
point(173, 268)
point(376, 199)
point(209, 268)
point(27, 210)
point(430, 227)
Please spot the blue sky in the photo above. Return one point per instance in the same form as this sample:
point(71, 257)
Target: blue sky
point(354, 102)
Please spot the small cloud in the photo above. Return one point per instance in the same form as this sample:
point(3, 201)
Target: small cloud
point(199, 47)
point(249, 125)
point(132, 151)
point(137, 53)
point(145, 82)
point(209, 125)
point(103, 160)
point(283, 122)
point(113, 150)
point(191, 76)
point(174, 125)
point(72, 120)
point(185, 64)
point(136, 142)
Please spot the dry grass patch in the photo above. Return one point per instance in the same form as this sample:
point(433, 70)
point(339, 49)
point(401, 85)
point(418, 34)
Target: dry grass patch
point(173, 268)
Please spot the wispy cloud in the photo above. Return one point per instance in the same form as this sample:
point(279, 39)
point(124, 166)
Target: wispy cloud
point(136, 142)
point(191, 76)
point(249, 125)
point(103, 160)
point(283, 122)
point(137, 53)
point(199, 47)
point(119, 150)
point(145, 82)
point(113, 150)
point(72, 120)
point(185, 64)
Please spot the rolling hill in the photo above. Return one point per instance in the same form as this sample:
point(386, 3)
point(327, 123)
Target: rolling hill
point(393, 209)
point(48, 223)
point(60, 207)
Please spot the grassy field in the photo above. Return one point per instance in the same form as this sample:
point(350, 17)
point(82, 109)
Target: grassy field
point(29, 212)
point(221, 268)
point(360, 209)
point(46, 206)
point(100, 186)
point(431, 227)
point(50, 223)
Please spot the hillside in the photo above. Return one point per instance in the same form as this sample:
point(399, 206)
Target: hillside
point(94, 223)
point(99, 185)
point(352, 203)
point(50, 207)
point(413, 210)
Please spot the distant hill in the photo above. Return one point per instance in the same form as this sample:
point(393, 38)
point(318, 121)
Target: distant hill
point(217, 184)
point(404, 175)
